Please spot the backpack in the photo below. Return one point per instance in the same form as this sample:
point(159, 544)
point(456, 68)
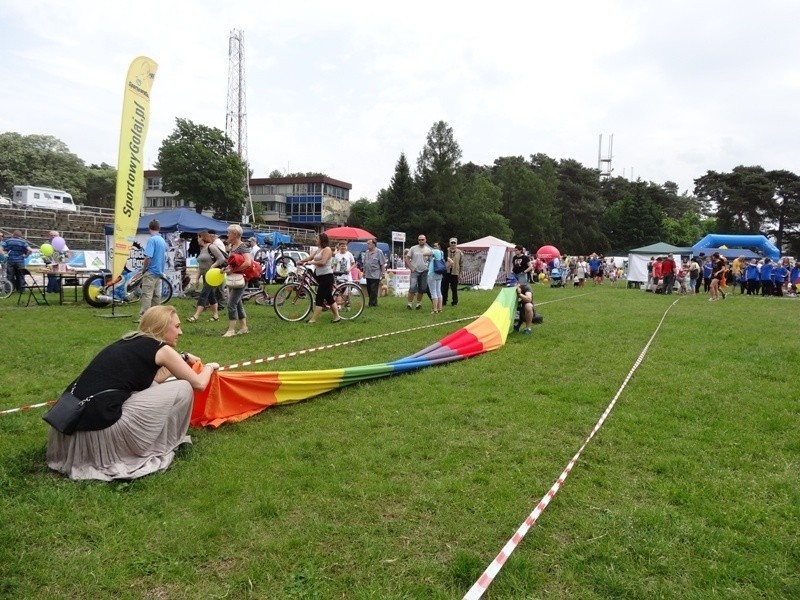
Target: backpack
point(439, 266)
point(253, 271)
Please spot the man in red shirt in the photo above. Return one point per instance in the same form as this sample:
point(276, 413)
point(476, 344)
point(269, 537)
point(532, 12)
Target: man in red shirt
point(668, 269)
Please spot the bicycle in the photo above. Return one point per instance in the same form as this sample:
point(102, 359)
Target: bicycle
point(282, 265)
point(258, 293)
point(6, 287)
point(101, 291)
point(294, 301)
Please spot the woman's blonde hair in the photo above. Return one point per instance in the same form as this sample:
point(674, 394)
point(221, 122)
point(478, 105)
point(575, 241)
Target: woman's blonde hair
point(154, 323)
point(237, 229)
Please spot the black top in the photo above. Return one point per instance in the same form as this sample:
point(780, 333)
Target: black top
point(520, 264)
point(126, 365)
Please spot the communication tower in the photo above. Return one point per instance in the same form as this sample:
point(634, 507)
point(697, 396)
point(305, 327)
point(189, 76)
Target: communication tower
point(604, 162)
point(236, 118)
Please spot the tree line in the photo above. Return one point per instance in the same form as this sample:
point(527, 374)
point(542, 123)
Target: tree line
point(531, 201)
point(539, 200)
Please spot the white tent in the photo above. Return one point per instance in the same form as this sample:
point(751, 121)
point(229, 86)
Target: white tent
point(639, 257)
point(485, 242)
point(478, 268)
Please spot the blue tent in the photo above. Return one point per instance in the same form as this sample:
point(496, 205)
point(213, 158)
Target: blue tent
point(273, 238)
point(184, 220)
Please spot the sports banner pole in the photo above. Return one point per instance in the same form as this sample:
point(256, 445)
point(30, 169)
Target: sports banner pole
point(130, 169)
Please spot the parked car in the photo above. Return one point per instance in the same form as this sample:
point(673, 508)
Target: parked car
point(5, 201)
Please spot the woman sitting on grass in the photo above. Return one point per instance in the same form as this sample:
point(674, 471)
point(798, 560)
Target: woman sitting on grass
point(134, 426)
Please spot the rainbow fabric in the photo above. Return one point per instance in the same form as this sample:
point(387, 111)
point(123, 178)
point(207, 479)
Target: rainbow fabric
point(235, 396)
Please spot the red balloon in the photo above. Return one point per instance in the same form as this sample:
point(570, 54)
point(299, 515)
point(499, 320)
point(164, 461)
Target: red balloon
point(548, 253)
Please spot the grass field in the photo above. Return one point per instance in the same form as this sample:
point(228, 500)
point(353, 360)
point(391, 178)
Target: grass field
point(407, 487)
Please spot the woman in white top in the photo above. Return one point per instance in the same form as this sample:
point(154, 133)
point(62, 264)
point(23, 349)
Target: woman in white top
point(324, 275)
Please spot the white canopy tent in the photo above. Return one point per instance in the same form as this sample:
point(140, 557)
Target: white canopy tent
point(639, 257)
point(487, 261)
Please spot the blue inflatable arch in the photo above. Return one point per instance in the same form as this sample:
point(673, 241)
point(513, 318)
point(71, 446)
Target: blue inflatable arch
point(715, 240)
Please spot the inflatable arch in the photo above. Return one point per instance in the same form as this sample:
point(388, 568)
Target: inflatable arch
point(715, 240)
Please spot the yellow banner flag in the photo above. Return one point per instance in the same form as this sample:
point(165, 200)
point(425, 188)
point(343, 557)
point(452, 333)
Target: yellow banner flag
point(130, 169)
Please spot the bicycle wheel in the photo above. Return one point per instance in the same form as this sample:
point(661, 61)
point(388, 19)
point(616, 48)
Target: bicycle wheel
point(166, 290)
point(95, 293)
point(292, 302)
point(282, 264)
point(6, 288)
point(135, 290)
point(350, 299)
point(263, 298)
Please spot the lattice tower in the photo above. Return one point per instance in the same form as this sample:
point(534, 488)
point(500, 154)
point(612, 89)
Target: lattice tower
point(236, 118)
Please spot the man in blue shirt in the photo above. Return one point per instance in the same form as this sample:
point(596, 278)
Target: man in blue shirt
point(155, 260)
point(16, 249)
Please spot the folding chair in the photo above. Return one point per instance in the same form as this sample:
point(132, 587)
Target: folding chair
point(34, 289)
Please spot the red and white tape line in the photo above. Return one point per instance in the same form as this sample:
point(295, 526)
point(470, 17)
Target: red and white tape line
point(266, 359)
point(480, 586)
point(258, 361)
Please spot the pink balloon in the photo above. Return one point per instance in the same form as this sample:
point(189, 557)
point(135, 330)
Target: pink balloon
point(59, 243)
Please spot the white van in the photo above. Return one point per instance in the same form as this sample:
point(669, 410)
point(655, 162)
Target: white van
point(29, 196)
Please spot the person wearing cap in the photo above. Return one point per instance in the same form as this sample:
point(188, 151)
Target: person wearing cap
point(253, 243)
point(454, 269)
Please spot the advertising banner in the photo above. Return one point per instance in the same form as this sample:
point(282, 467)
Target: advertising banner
point(135, 119)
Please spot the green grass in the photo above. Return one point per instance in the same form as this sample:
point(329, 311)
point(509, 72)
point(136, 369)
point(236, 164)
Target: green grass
point(407, 487)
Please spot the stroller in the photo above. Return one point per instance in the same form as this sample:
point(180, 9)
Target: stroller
point(556, 278)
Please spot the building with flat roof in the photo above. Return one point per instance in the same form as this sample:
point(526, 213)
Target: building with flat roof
point(310, 201)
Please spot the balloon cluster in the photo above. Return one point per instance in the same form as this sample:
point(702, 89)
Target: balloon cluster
point(57, 244)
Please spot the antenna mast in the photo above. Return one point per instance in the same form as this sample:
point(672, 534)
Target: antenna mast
point(604, 162)
point(236, 118)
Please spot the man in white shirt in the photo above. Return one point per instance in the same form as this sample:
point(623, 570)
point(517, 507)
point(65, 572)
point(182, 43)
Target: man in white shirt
point(417, 259)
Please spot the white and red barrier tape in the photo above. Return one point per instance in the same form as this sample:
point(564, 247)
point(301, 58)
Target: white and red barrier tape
point(257, 361)
point(266, 359)
point(480, 586)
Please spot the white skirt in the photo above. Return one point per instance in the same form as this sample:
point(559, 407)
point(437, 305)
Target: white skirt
point(153, 424)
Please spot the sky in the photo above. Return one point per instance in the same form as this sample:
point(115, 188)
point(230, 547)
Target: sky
point(343, 88)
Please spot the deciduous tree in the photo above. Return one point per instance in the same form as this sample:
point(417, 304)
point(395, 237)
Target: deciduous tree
point(40, 160)
point(199, 163)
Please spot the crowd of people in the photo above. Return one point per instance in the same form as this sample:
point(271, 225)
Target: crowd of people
point(713, 274)
point(142, 387)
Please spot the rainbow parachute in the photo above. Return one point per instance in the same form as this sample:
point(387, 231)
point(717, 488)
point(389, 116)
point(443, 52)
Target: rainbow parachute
point(235, 396)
